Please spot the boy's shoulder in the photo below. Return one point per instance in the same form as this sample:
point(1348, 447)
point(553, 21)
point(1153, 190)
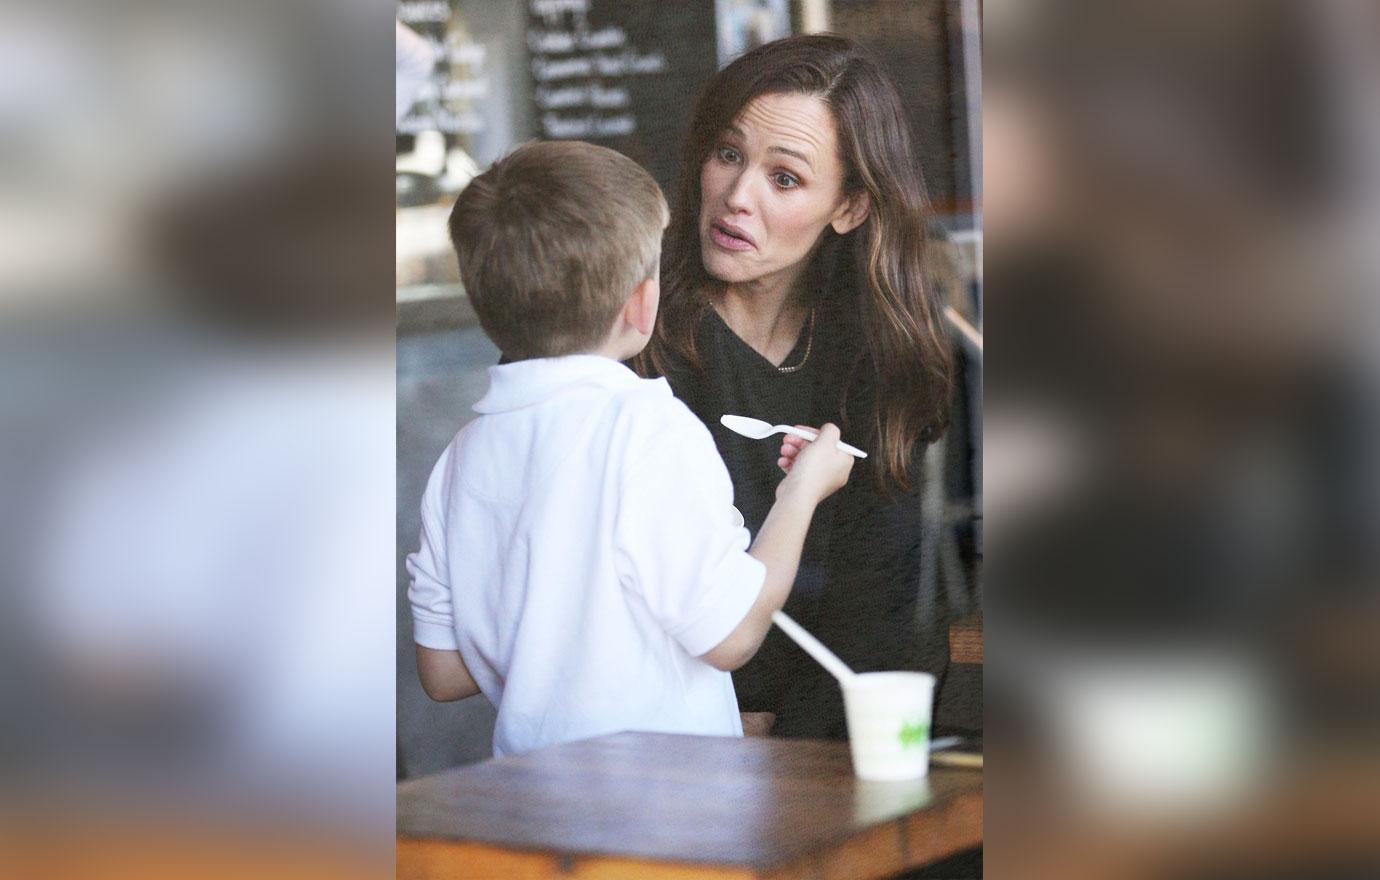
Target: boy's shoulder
point(637, 415)
point(655, 423)
point(650, 403)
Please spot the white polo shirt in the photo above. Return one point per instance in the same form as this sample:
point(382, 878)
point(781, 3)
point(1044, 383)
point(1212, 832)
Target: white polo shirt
point(580, 548)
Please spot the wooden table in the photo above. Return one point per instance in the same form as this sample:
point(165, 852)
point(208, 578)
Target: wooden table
point(965, 640)
point(643, 805)
point(1312, 815)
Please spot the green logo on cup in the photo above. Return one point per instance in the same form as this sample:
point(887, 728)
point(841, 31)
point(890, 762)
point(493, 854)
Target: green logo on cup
point(913, 735)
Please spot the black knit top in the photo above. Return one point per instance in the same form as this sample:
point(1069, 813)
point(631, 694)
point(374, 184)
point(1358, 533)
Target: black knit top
point(860, 571)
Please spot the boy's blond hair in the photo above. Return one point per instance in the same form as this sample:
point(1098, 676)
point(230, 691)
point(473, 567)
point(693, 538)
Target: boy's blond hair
point(552, 240)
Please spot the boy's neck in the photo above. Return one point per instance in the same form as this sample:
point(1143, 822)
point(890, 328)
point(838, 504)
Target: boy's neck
point(622, 343)
point(615, 351)
point(609, 349)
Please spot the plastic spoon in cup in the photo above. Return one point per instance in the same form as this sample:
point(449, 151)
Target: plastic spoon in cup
point(759, 430)
point(815, 649)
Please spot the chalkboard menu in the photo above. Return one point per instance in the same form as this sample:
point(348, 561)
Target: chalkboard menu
point(621, 73)
point(459, 80)
point(476, 96)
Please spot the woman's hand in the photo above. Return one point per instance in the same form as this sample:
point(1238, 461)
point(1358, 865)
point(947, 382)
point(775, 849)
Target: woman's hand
point(757, 723)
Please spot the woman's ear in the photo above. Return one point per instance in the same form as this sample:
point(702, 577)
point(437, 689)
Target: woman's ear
point(851, 213)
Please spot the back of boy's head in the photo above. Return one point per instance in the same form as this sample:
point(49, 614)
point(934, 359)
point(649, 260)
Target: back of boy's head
point(551, 241)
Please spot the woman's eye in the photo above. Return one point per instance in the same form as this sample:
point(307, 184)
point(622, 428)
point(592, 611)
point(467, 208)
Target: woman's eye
point(728, 154)
point(784, 180)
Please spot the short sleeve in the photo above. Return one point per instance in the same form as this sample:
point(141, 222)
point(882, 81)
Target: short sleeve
point(679, 544)
point(433, 617)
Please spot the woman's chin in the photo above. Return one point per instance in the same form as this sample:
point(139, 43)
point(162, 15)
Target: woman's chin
point(725, 267)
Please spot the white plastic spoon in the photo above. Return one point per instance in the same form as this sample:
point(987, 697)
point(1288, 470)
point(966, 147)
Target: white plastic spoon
point(758, 430)
point(815, 649)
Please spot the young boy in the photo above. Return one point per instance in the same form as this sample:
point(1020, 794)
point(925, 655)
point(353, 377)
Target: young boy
point(581, 562)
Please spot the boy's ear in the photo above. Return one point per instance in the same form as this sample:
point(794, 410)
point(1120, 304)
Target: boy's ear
point(640, 311)
point(851, 213)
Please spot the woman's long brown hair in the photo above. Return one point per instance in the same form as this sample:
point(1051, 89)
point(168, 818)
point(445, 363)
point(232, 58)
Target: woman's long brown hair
point(873, 280)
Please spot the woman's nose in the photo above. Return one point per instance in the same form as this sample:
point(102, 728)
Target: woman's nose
point(740, 194)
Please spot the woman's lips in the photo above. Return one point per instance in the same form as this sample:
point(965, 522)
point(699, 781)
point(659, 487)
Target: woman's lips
point(730, 238)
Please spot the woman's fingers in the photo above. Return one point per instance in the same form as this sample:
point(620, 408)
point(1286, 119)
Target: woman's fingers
point(757, 723)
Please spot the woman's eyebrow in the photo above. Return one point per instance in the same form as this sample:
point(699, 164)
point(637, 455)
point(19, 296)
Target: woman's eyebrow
point(735, 130)
point(801, 156)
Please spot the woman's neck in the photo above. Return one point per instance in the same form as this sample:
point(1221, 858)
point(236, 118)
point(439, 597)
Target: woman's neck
point(767, 316)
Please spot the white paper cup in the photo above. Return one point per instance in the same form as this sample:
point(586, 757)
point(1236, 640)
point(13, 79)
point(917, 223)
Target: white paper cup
point(889, 724)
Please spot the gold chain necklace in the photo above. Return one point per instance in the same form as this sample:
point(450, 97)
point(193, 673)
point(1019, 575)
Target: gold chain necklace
point(809, 343)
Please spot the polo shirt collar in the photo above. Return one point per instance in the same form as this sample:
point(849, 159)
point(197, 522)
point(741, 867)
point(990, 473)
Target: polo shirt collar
point(526, 383)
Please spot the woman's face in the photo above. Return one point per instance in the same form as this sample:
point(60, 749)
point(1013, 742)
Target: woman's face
point(771, 184)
